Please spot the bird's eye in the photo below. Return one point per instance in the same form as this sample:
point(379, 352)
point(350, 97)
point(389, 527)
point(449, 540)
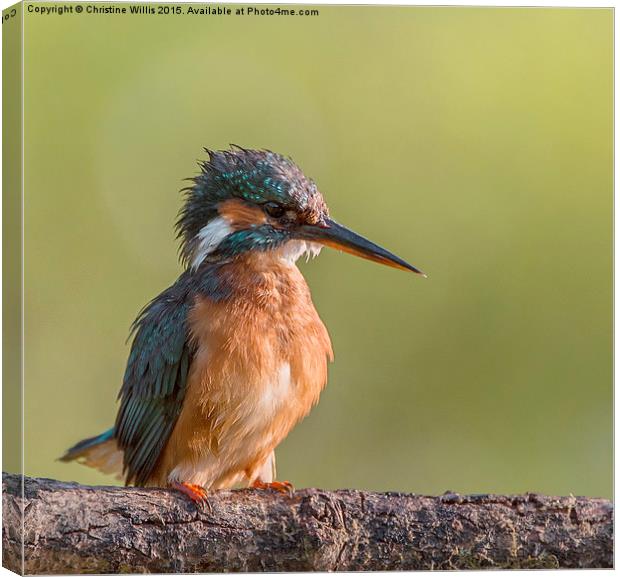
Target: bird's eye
point(274, 209)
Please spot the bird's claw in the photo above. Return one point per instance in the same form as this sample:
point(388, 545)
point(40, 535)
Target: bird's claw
point(197, 493)
point(279, 486)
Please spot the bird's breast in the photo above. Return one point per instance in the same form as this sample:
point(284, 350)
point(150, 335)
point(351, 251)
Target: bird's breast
point(262, 355)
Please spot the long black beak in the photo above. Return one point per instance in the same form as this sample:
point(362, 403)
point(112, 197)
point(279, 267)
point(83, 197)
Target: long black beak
point(330, 233)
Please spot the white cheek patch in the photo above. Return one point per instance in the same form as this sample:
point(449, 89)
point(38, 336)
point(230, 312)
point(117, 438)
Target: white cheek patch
point(209, 238)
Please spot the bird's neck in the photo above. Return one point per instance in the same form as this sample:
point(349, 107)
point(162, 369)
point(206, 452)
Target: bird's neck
point(267, 278)
point(261, 277)
point(254, 273)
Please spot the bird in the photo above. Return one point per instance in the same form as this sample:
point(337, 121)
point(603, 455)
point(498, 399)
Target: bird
point(229, 358)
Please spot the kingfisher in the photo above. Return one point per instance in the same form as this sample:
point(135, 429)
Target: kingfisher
point(227, 360)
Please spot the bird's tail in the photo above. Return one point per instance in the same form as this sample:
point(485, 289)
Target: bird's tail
point(100, 452)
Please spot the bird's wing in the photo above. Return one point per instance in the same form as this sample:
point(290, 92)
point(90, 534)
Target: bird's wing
point(154, 384)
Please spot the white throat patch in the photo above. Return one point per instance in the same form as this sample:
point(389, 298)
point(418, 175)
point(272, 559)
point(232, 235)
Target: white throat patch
point(294, 249)
point(209, 237)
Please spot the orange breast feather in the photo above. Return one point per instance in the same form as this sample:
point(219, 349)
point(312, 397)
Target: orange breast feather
point(260, 366)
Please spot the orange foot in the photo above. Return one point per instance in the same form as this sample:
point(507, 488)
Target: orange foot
point(196, 493)
point(280, 486)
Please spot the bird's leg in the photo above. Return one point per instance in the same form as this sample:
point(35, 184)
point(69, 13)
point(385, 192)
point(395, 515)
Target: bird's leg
point(280, 486)
point(196, 493)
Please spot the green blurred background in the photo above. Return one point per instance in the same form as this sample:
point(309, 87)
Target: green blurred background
point(475, 143)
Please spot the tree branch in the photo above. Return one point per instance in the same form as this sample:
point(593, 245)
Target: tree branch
point(70, 528)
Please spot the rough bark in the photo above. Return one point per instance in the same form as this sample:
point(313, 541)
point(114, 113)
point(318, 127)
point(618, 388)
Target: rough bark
point(70, 528)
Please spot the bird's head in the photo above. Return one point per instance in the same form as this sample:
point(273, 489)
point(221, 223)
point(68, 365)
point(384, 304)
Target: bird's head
point(256, 200)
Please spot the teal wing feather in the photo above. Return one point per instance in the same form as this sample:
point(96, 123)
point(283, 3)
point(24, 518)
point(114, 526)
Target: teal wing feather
point(154, 384)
